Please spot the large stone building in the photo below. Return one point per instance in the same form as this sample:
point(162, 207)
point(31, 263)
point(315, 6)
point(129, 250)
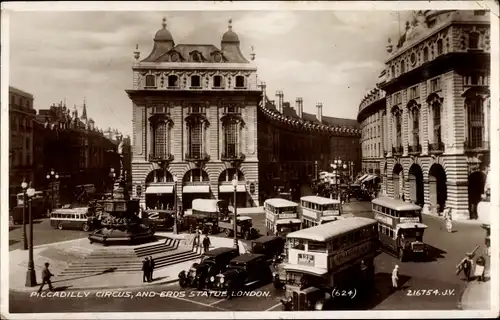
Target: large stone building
point(294, 146)
point(194, 123)
point(21, 115)
point(436, 121)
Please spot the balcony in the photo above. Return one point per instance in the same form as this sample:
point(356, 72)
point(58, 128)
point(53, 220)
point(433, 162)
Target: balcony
point(437, 147)
point(160, 158)
point(233, 158)
point(197, 158)
point(415, 149)
point(397, 150)
point(477, 146)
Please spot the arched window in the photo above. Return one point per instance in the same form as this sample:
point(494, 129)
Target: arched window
point(195, 139)
point(231, 139)
point(436, 116)
point(415, 114)
point(161, 139)
point(426, 54)
point(473, 40)
point(150, 80)
point(439, 47)
point(475, 122)
point(402, 66)
point(218, 81)
point(393, 72)
point(195, 81)
point(173, 81)
point(240, 82)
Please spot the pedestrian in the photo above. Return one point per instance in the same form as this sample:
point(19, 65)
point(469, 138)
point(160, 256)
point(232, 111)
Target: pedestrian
point(466, 265)
point(395, 277)
point(145, 270)
point(447, 219)
point(480, 268)
point(206, 243)
point(151, 268)
point(46, 274)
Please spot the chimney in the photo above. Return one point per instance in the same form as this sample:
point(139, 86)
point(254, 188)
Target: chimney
point(319, 111)
point(279, 94)
point(298, 107)
point(301, 107)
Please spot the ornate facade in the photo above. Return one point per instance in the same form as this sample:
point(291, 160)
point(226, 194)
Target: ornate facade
point(437, 115)
point(194, 123)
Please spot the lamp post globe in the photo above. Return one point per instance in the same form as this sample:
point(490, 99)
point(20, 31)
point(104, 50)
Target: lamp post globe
point(235, 226)
point(52, 172)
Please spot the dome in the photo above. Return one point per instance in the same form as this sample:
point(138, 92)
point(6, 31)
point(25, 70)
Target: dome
point(163, 34)
point(230, 35)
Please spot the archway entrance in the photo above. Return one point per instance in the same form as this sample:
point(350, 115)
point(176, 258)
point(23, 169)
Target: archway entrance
point(195, 185)
point(438, 192)
point(226, 188)
point(476, 182)
point(397, 181)
point(416, 179)
point(159, 190)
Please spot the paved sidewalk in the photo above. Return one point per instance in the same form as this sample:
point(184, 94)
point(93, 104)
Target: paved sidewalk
point(477, 295)
point(59, 255)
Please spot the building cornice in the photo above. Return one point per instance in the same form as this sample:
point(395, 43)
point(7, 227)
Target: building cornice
point(188, 66)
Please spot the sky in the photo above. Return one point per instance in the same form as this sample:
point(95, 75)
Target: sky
point(333, 57)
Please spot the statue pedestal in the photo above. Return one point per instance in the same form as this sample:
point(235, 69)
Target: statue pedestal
point(123, 225)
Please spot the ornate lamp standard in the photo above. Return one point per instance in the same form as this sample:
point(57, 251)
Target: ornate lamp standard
point(30, 275)
point(112, 175)
point(235, 226)
point(24, 186)
point(52, 176)
point(334, 166)
point(176, 213)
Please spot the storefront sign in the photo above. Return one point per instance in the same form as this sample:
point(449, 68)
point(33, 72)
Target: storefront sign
point(305, 259)
point(347, 255)
point(384, 219)
point(409, 219)
point(287, 216)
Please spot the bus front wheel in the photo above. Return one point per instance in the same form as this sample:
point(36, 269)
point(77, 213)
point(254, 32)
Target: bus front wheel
point(85, 227)
point(60, 226)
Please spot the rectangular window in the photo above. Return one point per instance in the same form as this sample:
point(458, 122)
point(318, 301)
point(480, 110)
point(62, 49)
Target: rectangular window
point(435, 84)
point(414, 92)
point(150, 80)
point(195, 81)
point(231, 137)
point(195, 142)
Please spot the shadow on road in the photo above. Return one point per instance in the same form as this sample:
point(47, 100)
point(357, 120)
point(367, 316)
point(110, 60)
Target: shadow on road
point(109, 270)
point(373, 296)
point(12, 242)
point(433, 253)
point(61, 288)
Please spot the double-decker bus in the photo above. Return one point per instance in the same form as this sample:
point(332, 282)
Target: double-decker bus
point(319, 210)
point(326, 259)
point(401, 230)
point(282, 216)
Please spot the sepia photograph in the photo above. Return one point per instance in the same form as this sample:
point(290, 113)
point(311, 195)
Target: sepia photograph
point(179, 160)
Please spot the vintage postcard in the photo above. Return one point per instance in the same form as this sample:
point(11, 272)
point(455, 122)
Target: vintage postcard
point(191, 160)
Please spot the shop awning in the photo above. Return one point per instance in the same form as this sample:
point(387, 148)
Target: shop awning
point(196, 189)
point(159, 189)
point(225, 188)
point(363, 177)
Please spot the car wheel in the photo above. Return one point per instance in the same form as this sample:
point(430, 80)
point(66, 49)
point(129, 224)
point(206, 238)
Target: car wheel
point(60, 226)
point(182, 283)
point(85, 227)
point(227, 232)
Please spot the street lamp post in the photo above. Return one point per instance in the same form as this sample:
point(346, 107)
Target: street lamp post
point(334, 166)
point(235, 226)
point(52, 176)
point(112, 175)
point(24, 186)
point(176, 218)
point(30, 275)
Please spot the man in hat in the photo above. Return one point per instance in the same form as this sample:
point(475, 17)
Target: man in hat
point(466, 265)
point(145, 270)
point(46, 274)
point(395, 277)
point(151, 268)
point(206, 243)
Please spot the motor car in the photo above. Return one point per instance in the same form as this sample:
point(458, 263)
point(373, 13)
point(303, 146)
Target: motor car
point(202, 275)
point(243, 273)
point(270, 246)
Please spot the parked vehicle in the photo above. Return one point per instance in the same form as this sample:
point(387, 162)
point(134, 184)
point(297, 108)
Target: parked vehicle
point(162, 219)
point(243, 272)
point(244, 227)
point(269, 246)
point(205, 213)
point(202, 275)
point(37, 212)
point(75, 218)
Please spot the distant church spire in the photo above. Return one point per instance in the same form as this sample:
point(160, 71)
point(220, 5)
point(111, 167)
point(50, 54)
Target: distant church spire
point(84, 111)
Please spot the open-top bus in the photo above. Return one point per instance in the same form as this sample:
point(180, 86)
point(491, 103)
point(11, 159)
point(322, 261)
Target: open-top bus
point(337, 255)
point(319, 210)
point(281, 216)
point(401, 230)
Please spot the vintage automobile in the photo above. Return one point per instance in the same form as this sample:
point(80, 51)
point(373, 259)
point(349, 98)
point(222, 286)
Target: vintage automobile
point(162, 219)
point(270, 246)
point(244, 226)
point(202, 275)
point(205, 215)
point(307, 299)
point(243, 272)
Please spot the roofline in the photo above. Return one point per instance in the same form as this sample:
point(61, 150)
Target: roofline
point(20, 92)
point(193, 65)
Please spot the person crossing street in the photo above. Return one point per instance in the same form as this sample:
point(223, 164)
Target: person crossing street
point(151, 268)
point(206, 243)
point(46, 275)
point(145, 270)
point(395, 278)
